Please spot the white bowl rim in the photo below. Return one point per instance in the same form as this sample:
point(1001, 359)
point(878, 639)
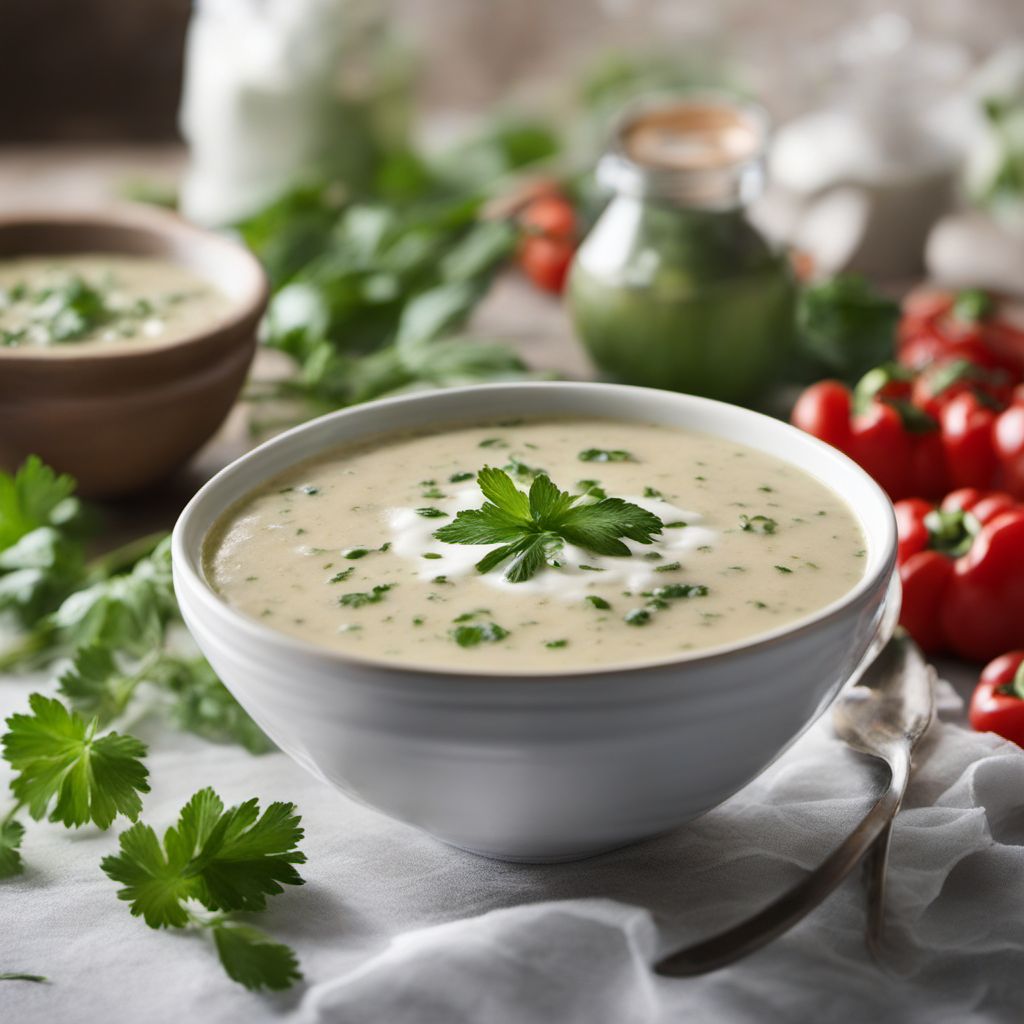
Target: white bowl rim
point(187, 568)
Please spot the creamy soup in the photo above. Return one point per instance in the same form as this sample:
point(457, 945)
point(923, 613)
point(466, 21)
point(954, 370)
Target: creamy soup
point(76, 303)
point(342, 550)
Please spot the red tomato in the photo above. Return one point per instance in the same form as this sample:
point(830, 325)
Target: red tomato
point(995, 705)
point(549, 216)
point(549, 241)
point(546, 262)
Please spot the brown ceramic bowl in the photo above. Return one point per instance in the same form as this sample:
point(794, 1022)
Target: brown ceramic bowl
point(121, 420)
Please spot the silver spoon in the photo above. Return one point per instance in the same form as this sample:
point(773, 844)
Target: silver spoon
point(884, 715)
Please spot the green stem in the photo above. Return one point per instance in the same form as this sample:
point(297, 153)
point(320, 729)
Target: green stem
point(9, 816)
point(124, 557)
point(31, 644)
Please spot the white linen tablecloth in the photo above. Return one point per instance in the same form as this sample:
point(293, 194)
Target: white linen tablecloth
point(394, 928)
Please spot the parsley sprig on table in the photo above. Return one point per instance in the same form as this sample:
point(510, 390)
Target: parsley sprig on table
point(533, 528)
point(222, 861)
point(68, 770)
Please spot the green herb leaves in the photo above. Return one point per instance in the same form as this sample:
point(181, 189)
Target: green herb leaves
point(11, 833)
point(224, 860)
point(532, 528)
point(66, 769)
point(605, 455)
point(359, 599)
point(758, 524)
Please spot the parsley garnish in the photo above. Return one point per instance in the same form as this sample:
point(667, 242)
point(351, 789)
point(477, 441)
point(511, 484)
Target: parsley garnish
point(226, 861)
point(597, 602)
point(457, 478)
point(532, 529)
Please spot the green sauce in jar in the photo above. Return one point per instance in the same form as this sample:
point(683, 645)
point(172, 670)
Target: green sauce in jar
point(674, 287)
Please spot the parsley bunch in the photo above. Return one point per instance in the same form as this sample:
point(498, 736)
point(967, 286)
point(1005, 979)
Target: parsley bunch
point(533, 528)
point(115, 617)
point(222, 861)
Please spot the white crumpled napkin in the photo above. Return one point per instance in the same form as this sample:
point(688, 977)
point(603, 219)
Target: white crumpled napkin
point(394, 928)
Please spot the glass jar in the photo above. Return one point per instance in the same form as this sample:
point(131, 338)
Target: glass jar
point(673, 287)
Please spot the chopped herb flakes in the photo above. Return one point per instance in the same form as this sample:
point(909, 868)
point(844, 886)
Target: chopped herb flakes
point(597, 602)
point(605, 455)
point(637, 617)
point(374, 596)
point(458, 478)
point(340, 577)
point(783, 569)
point(553, 645)
point(667, 567)
point(758, 524)
point(478, 633)
point(431, 513)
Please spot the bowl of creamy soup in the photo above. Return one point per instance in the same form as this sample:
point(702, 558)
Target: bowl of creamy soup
point(125, 335)
point(538, 620)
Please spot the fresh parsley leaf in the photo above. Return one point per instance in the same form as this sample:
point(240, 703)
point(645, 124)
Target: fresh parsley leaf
point(95, 685)
point(201, 704)
point(531, 528)
point(66, 769)
point(758, 524)
point(251, 959)
point(34, 496)
point(11, 833)
point(225, 860)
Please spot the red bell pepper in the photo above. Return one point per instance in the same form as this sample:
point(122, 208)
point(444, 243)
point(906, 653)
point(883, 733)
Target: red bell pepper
point(920, 436)
point(997, 704)
point(962, 569)
point(938, 326)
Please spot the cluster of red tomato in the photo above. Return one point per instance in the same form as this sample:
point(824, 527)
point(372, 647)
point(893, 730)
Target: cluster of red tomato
point(942, 430)
point(548, 242)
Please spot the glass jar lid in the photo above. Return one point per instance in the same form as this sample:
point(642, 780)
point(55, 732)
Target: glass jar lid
point(700, 149)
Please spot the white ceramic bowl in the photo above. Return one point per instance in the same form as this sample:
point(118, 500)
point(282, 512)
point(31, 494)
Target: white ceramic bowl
point(529, 767)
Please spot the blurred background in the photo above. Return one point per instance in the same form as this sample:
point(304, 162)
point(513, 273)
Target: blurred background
point(106, 70)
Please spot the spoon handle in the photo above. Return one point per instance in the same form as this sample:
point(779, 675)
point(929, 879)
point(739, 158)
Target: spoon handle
point(781, 914)
point(877, 862)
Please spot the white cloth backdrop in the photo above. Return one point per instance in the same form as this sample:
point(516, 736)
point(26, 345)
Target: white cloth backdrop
point(394, 928)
